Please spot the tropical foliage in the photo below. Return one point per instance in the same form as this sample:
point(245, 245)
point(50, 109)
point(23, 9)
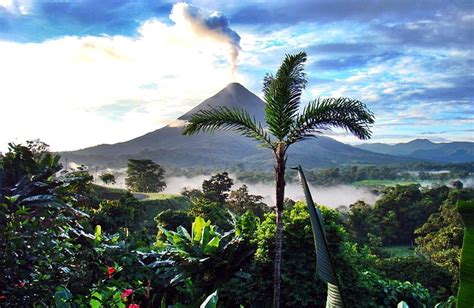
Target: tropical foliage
point(64, 245)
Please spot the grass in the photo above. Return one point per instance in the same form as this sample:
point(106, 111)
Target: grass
point(150, 205)
point(155, 203)
point(400, 251)
point(109, 193)
point(156, 196)
point(167, 201)
point(369, 183)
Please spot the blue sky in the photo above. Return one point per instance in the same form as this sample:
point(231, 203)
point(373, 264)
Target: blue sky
point(80, 73)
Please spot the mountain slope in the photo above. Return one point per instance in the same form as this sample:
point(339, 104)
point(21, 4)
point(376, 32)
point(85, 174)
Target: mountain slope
point(169, 147)
point(424, 149)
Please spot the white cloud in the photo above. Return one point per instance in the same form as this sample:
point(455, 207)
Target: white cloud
point(19, 7)
point(53, 90)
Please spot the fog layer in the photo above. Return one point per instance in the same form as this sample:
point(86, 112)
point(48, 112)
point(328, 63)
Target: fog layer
point(333, 196)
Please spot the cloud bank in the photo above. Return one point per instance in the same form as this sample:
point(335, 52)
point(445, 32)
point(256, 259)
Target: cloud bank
point(108, 71)
point(85, 90)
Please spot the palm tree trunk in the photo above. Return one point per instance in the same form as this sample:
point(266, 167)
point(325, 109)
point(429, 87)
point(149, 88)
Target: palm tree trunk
point(280, 195)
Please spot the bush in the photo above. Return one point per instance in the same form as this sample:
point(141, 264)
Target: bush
point(212, 211)
point(388, 293)
point(41, 233)
point(439, 281)
point(171, 220)
point(115, 214)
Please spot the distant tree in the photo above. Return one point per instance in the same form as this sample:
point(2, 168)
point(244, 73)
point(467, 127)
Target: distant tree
point(217, 187)
point(145, 176)
point(192, 193)
point(240, 201)
point(286, 125)
point(361, 221)
point(457, 184)
point(107, 178)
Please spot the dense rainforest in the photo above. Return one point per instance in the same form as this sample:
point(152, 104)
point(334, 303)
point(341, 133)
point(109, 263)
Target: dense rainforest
point(67, 242)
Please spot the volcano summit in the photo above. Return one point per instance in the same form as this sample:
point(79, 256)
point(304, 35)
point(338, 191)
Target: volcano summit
point(167, 146)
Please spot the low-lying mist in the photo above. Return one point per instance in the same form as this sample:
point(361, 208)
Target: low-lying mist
point(332, 196)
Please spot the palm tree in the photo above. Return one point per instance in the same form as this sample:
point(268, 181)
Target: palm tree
point(285, 125)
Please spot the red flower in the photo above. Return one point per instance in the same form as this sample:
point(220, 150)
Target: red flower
point(133, 306)
point(3, 297)
point(21, 284)
point(126, 293)
point(110, 271)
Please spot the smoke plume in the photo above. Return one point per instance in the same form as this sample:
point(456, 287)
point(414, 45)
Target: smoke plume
point(214, 26)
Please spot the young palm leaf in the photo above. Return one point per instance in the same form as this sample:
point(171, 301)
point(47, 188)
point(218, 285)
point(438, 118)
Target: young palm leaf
point(283, 93)
point(286, 126)
point(324, 263)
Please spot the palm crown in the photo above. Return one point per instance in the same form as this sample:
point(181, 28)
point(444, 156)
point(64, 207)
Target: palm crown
point(285, 124)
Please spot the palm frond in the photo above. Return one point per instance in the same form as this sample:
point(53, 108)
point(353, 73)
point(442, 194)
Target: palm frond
point(325, 268)
point(322, 114)
point(283, 93)
point(223, 118)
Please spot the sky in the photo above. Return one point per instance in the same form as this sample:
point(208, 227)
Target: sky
point(80, 73)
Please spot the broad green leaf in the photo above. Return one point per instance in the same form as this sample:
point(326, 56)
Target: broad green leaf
point(12, 199)
point(182, 231)
point(211, 301)
point(206, 236)
point(62, 297)
point(178, 278)
point(161, 263)
point(98, 233)
point(197, 227)
point(177, 239)
point(96, 299)
point(402, 304)
point(212, 245)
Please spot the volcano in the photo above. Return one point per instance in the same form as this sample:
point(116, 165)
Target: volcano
point(168, 147)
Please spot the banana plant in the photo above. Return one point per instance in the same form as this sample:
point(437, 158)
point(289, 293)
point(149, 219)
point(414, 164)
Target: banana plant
point(190, 265)
point(324, 263)
point(466, 283)
point(203, 239)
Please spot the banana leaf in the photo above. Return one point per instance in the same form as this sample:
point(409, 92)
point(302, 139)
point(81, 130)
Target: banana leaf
point(211, 301)
point(324, 264)
point(466, 278)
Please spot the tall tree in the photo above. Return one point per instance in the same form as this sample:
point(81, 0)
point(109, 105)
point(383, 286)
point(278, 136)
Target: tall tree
point(286, 125)
point(144, 175)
